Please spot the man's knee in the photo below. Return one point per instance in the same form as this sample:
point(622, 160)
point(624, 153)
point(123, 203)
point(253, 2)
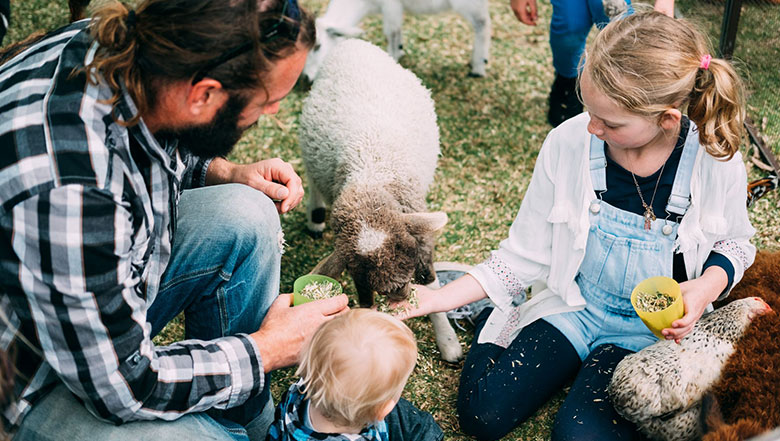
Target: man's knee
point(247, 216)
point(248, 207)
point(58, 415)
point(227, 212)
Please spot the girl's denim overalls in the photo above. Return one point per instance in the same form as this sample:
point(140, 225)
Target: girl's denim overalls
point(619, 254)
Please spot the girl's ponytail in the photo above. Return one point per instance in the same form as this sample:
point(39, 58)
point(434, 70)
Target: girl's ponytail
point(717, 106)
point(650, 63)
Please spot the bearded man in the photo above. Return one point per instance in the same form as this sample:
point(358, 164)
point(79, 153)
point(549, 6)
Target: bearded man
point(113, 133)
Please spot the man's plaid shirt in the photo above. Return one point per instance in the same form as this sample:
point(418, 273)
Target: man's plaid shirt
point(85, 235)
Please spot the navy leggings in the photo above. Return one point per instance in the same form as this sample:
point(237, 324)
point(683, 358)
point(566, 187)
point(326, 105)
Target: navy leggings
point(500, 388)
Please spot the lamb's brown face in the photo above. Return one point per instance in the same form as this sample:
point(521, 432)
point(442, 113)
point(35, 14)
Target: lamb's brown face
point(424, 272)
point(384, 250)
point(387, 270)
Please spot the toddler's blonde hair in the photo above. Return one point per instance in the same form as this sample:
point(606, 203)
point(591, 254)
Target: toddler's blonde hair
point(356, 363)
point(649, 63)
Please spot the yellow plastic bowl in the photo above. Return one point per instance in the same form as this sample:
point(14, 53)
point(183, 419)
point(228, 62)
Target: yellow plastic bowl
point(659, 320)
point(302, 281)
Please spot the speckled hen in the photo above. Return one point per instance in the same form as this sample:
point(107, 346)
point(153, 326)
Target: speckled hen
point(660, 387)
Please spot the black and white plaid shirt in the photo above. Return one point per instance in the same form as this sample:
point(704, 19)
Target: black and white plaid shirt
point(85, 235)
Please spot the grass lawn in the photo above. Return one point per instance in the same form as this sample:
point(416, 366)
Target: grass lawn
point(491, 131)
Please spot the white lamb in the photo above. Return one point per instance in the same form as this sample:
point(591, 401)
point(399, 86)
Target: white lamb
point(342, 17)
point(370, 144)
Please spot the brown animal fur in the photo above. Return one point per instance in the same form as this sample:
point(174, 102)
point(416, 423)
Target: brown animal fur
point(712, 417)
point(748, 392)
point(406, 256)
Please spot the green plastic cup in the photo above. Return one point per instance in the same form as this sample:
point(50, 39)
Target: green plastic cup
point(301, 283)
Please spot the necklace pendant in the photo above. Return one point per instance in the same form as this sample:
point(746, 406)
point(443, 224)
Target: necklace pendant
point(649, 217)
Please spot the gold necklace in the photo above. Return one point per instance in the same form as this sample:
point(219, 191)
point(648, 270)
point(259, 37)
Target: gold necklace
point(649, 214)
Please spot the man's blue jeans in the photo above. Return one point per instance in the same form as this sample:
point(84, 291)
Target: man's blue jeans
point(224, 275)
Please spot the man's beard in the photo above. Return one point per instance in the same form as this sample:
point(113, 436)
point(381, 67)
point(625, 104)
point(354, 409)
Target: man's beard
point(216, 138)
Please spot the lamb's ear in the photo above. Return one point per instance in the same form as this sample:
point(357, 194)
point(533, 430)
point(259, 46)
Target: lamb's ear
point(427, 221)
point(331, 266)
point(344, 31)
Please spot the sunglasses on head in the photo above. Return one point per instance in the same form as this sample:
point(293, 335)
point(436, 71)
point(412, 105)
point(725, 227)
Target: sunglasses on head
point(287, 26)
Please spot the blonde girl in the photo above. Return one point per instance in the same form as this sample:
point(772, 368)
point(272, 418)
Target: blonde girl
point(648, 182)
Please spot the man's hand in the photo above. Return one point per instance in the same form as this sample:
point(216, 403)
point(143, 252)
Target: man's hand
point(697, 294)
point(285, 328)
point(274, 177)
point(525, 11)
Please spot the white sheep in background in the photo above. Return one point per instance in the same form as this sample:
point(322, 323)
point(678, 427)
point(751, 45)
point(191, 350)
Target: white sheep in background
point(370, 144)
point(342, 17)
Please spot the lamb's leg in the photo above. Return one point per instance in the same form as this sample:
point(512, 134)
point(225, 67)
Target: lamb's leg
point(363, 288)
point(476, 12)
point(393, 17)
point(446, 340)
point(315, 211)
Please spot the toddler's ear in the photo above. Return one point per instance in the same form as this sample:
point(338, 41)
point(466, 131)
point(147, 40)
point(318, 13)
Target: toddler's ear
point(385, 409)
point(670, 119)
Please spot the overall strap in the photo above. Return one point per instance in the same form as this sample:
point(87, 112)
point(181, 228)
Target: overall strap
point(680, 199)
point(598, 164)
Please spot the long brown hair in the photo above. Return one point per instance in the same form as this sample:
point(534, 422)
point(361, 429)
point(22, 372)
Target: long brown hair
point(14, 49)
point(171, 40)
point(650, 63)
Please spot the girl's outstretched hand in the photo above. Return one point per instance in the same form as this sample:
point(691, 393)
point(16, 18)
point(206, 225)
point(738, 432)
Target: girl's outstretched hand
point(423, 303)
point(457, 293)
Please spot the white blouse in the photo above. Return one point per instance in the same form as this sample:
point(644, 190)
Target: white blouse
point(546, 242)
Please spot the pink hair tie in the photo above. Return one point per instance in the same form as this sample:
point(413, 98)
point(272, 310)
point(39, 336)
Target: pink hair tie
point(705, 62)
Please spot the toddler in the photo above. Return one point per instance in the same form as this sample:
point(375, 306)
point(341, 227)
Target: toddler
point(352, 373)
